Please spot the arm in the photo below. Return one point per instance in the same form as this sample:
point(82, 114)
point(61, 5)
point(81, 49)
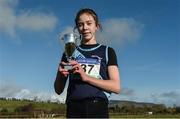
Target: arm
point(59, 83)
point(61, 79)
point(112, 84)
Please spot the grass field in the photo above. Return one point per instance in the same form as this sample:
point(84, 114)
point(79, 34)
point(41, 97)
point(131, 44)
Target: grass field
point(167, 116)
point(12, 105)
point(112, 116)
point(50, 109)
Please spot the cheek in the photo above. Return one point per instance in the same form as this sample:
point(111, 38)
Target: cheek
point(79, 30)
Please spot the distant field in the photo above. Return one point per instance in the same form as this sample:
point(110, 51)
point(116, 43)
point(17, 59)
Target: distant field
point(11, 105)
point(23, 109)
point(160, 116)
point(142, 118)
point(117, 116)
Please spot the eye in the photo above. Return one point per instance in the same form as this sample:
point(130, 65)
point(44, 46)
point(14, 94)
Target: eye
point(80, 24)
point(89, 23)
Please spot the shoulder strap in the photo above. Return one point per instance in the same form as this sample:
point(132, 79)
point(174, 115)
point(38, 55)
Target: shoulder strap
point(107, 58)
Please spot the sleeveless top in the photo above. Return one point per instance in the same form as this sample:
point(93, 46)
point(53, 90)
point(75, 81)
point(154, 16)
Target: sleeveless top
point(94, 62)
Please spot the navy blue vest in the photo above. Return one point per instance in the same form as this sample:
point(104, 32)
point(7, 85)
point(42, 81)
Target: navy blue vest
point(94, 62)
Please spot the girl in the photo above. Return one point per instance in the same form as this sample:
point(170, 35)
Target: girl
point(94, 75)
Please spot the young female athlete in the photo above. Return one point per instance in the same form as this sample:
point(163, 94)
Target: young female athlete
point(95, 73)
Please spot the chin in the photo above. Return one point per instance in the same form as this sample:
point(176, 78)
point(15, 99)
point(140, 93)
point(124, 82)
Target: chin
point(86, 38)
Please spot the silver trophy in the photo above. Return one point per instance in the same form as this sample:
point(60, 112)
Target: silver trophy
point(69, 42)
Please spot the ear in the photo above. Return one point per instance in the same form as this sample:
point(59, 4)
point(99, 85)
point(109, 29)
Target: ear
point(97, 27)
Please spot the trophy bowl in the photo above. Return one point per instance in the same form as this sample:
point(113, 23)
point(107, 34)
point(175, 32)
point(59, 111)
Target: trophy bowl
point(69, 41)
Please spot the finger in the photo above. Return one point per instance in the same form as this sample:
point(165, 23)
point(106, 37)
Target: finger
point(65, 73)
point(76, 71)
point(76, 67)
point(73, 62)
point(63, 63)
point(61, 69)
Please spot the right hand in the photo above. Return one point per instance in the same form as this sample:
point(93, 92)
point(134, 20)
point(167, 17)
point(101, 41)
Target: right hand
point(62, 70)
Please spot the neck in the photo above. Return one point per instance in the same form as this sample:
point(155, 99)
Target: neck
point(89, 42)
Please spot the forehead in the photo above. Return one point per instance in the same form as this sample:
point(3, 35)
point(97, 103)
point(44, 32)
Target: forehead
point(85, 17)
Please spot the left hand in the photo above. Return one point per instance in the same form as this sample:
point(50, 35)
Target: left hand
point(78, 69)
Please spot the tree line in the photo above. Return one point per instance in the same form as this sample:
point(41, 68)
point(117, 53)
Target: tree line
point(34, 108)
point(147, 110)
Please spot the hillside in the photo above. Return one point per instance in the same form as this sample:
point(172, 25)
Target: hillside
point(27, 106)
point(14, 103)
point(32, 109)
point(121, 103)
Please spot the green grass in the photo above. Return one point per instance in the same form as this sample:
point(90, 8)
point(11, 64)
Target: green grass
point(11, 105)
point(168, 116)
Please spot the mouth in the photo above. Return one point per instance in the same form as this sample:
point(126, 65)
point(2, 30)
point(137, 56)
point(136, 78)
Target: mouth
point(85, 34)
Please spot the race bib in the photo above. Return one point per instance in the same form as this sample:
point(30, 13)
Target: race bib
point(91, 66)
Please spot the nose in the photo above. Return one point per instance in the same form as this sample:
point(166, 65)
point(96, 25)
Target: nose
point(85, 27)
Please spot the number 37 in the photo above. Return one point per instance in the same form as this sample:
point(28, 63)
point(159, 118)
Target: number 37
point(87, 68)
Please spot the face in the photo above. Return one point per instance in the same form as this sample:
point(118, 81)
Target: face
point(87, 27)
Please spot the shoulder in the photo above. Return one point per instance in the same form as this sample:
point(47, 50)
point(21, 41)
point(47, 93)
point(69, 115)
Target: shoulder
point(108, 49)
point(111, 51)
point(111, 56)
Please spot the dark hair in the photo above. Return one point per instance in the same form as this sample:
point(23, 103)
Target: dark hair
point(88, 11)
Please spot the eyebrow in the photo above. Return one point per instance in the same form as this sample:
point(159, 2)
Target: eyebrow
point(86, 21)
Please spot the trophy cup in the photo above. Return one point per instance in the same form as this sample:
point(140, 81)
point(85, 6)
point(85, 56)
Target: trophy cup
point(69, 41)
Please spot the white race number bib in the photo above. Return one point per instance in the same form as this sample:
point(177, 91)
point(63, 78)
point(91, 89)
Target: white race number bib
point(91, 66)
